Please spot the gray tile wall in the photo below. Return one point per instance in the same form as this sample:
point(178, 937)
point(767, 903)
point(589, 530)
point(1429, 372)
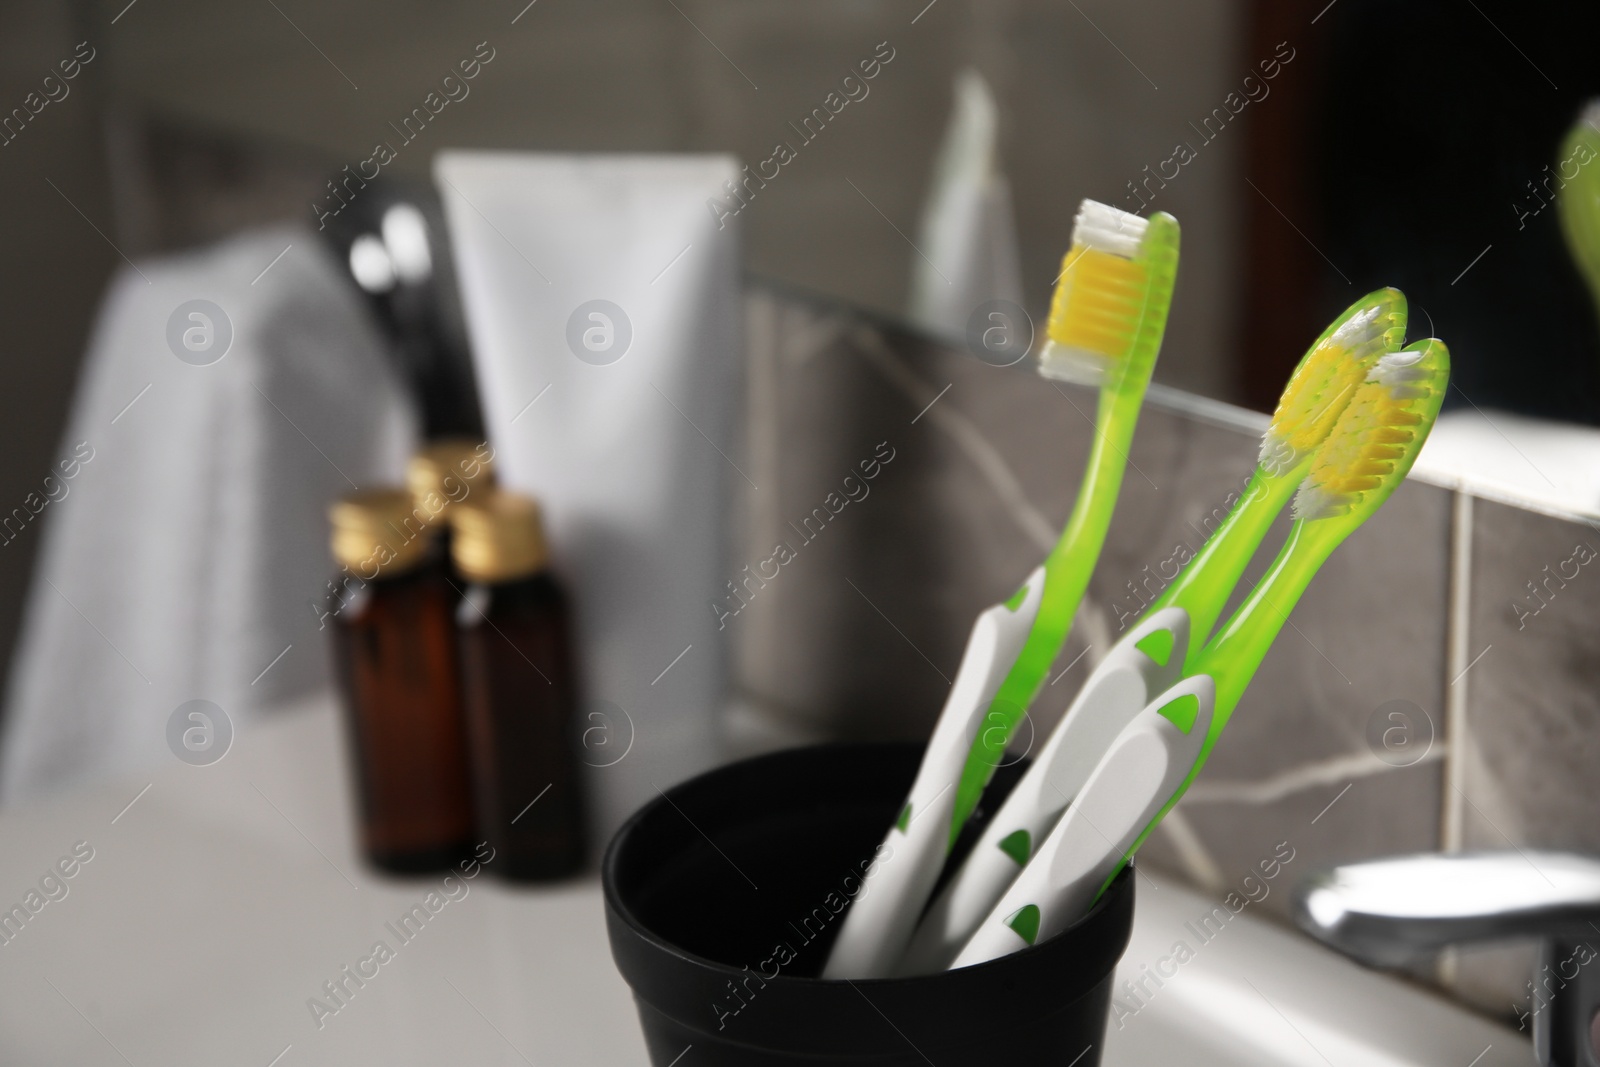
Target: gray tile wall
point(1526, 767)
point(1090, 93)
point(1343, 745)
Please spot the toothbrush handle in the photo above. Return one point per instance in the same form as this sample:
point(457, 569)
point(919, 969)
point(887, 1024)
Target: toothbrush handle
point(1116, 691)
point(1232, 657)
point(1144, 767)
point(1203, 586)
point(1067, 571)
point(879, 922)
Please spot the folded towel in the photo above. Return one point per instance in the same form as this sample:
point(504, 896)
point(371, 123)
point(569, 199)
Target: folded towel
point(187, 540)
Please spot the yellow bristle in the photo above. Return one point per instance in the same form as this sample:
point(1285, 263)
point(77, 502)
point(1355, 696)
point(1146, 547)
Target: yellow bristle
point(1329, 375)
point(1097, 305)
point(1314, 399)
point(1378, 436)
point(1370, 436)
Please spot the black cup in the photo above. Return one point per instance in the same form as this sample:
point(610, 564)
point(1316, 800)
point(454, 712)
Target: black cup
point(724, 895)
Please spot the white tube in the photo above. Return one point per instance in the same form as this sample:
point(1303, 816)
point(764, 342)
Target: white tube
point(602, 302)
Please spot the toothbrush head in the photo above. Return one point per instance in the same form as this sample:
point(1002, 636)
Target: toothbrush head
point(1378, 436)
point(1329, 375)
point(1115, 285)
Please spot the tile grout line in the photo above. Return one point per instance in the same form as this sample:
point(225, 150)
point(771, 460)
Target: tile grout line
point(1458, 637)
point(1458, 631)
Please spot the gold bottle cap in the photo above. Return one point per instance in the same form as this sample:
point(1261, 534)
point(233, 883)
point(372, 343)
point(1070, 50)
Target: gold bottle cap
point(499, 536)
point(447, 472)
point(379, 531)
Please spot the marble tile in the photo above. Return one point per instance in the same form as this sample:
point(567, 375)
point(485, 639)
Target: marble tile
point(1532, 741)
point(861, 633)
point(600, 75)
point(48, 306)
point(1533, 707)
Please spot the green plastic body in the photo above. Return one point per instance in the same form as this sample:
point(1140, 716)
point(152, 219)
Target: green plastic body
point(1202, 588)
point(1072, 561)
point(1232, 657)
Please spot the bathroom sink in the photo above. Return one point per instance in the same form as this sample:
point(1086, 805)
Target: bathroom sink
point(221, 902)
point(1249, 993)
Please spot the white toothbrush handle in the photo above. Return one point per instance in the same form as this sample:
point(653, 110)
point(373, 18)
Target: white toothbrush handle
point(1144, 662)
point(1144, 767)
point(880, 920)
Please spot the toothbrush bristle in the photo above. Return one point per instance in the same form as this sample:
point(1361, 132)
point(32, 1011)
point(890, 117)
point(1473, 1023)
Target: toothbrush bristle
point(1378, 434)
point(1108, 229)
point(1327, 379)
point(1405, 373)
point(1094, 315)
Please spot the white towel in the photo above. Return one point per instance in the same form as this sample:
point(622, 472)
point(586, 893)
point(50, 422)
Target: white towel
point(183, 555)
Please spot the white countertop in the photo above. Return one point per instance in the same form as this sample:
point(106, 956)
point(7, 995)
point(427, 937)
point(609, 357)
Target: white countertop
point(220, 902)
point(221, 899)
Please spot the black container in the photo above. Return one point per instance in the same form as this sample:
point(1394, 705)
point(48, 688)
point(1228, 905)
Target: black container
point(720, 901)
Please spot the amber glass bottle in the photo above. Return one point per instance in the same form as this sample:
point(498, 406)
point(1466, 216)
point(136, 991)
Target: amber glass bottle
point(397, 663)
point(518, 686)
point(444, 473)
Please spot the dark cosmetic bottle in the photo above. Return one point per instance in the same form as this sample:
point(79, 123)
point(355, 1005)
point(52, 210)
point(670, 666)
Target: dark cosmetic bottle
point(518, 688)
point(395, 652)
point(441, 475)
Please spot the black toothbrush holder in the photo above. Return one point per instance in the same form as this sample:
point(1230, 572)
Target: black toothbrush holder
point(724, 895)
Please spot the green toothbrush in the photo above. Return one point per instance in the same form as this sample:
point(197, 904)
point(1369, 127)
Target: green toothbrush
point(1150, 657)
point(1105, 327)
point(1156, 757)
point(1119, 359)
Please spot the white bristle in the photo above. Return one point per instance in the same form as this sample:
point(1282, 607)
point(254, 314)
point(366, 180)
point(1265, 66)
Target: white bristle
point(1591, 115)
point(1277, 455)
point(1108, 229)
point(1400, 372)
point(1362, 334)
point(1313, 502)
point(1356, 328)
point(1066, 363)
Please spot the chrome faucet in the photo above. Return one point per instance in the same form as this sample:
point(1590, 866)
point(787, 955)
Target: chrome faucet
point(1392, 911)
